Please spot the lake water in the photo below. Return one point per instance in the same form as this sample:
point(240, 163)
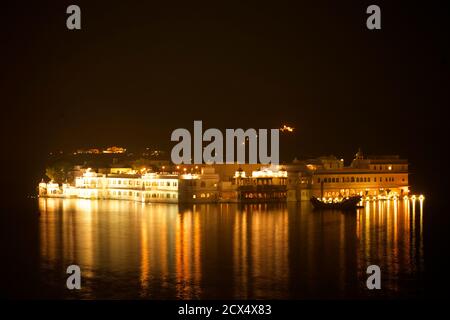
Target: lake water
point(228, 251)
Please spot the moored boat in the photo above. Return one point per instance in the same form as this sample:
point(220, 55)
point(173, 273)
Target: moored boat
point(346, 204)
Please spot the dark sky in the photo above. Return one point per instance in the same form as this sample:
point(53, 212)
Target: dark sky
point(139, 69)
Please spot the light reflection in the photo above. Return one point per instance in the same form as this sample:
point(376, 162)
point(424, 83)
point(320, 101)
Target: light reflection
point(127, 249)
point(145, 259)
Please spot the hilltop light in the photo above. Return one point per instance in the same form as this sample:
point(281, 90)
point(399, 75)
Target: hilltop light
point(286, 128)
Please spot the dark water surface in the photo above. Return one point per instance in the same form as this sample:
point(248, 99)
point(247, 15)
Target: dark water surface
point(163, 251)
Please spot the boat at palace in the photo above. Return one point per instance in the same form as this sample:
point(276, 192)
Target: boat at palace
point(345, 204)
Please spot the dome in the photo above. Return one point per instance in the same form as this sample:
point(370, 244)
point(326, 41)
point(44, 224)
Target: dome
point(359, 154)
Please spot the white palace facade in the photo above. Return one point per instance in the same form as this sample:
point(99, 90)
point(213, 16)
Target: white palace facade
point(148, 187)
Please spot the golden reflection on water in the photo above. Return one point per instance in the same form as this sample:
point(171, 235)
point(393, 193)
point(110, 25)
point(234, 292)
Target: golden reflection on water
point(135, 250)
point(399, 247)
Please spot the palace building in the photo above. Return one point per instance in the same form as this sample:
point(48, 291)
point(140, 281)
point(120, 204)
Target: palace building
point(376, 176)
point(147, 187)
point(372, 177)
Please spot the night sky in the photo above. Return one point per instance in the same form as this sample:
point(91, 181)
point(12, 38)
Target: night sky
point(138, 70)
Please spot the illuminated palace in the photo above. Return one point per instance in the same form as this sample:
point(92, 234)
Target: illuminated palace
point(379, 177)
